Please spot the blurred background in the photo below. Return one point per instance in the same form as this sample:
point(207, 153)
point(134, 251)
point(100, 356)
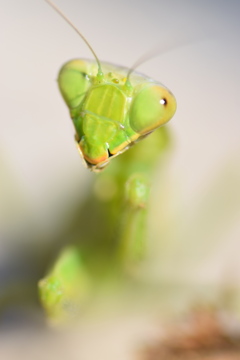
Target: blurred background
point(194, 222)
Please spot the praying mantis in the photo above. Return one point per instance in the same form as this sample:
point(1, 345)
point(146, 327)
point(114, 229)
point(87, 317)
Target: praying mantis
point(112, 108)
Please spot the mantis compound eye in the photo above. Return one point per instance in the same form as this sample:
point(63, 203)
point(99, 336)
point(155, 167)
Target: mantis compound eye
point(73, 82)
point(152, 107)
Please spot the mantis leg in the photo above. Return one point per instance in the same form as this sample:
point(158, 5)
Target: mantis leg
point(109, 234)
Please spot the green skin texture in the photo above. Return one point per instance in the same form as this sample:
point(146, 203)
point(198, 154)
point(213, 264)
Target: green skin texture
point(109, 112)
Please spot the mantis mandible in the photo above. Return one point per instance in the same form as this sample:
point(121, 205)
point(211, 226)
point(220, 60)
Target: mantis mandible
point(111, 107)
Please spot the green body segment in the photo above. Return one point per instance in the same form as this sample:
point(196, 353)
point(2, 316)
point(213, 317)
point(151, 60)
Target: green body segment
point(65, 287)
point(110, 113)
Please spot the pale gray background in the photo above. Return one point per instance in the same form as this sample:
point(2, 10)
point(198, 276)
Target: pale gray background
point(40, 168)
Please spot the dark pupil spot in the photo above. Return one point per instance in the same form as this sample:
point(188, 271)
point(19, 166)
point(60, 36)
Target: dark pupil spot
point(163, 101)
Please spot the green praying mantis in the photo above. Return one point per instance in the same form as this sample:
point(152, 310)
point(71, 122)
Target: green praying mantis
point(111, 107)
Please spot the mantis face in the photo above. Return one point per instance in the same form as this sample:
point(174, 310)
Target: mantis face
point(109, 112)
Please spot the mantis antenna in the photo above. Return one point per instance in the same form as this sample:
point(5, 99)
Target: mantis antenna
point(77, 31)
point(150, 55)
point(165, 48)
